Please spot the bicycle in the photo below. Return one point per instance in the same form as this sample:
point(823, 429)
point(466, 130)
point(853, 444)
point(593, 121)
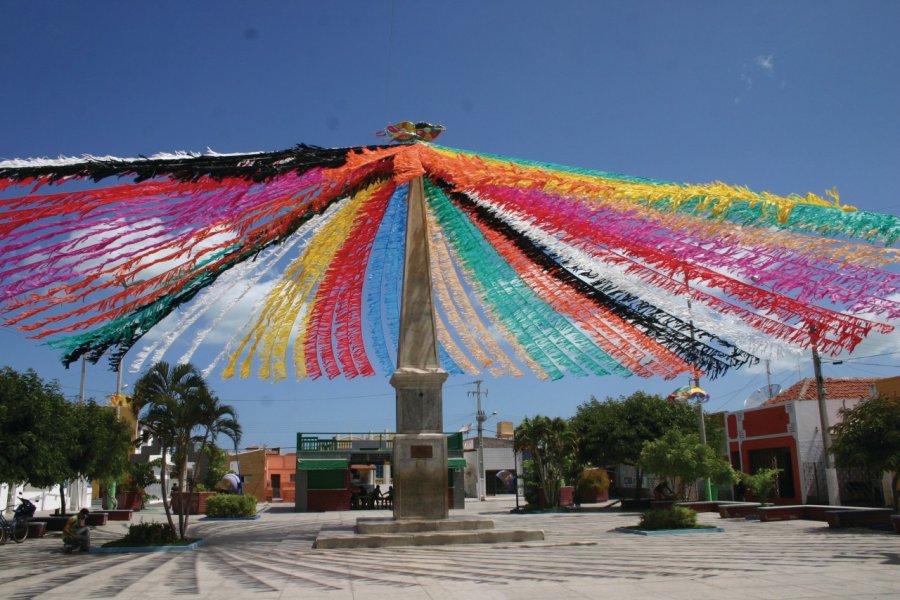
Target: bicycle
point(17, 529)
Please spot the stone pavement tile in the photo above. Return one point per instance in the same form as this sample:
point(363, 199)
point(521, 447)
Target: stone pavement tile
point(780, 587)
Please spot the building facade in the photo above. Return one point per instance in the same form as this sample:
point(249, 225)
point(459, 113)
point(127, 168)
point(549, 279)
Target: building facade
point(785, 432)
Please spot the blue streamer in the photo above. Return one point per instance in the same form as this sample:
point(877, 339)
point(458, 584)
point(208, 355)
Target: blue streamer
point(383, 279)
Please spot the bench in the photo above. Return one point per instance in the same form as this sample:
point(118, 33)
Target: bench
point(738, 510)
point(36, 529)
point(789, 512)
point(120, 515)
point(705, 505)
point(859, 517)
point(57, 522)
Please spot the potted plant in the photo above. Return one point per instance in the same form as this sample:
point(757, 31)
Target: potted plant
point(130, 494)
point(763, 484)
point(593, 485)
point(194, 499)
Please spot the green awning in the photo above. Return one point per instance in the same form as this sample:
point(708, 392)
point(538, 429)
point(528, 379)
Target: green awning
point(456, 463)
point(321, 464)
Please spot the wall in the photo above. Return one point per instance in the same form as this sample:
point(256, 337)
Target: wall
point(252, 466)
point(284, 465)
point(888, 388)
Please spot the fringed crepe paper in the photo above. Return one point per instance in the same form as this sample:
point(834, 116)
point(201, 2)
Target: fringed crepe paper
point(553, 269)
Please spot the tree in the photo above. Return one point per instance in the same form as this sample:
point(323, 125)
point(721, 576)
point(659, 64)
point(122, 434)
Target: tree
point(183, 415)
point(98, 443)
point(763, 483)
point(216, 465)
point(614, 431)
point(33, 429)
point(681, 458)
point(868, 437)
point(552, 443)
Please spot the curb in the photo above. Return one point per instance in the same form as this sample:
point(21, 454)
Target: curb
point(127, 549)
point(669, 531)
point(253, 518)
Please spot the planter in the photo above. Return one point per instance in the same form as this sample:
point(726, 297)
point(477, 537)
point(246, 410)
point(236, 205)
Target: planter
point(567, 495)
point(129, 500)
point(593, 495)
point(197, 500)
point(651, 532)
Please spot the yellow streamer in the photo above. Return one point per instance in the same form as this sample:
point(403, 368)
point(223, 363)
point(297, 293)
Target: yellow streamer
point(291, 295)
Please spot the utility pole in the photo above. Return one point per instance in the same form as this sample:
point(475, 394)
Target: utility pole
point(481, 418)
point(696, 378)
point(83, 374)
point(831, 480)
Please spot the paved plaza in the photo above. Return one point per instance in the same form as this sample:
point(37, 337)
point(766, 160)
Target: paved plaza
point(581, 557)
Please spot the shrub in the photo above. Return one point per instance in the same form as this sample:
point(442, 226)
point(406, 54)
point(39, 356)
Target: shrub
point(150, 534)
point(230, 506)
point(593, 479)
point(676, 517)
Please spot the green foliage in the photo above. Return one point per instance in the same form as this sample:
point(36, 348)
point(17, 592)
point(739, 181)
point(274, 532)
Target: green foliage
point(868, 437)
point(182, 413)
point(230, 506)
point(593, 478)
point(216, 466)
point(676, 517)
point(763, 483)
point(552, 444)
point(100, 442)
point(137, 477)
point(681, 458)
point(614, 431)
point(35, 431)
point(150, 534)
point(531, 483)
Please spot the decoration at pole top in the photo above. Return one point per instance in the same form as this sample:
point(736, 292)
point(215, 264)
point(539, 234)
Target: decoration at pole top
point(407, 131)
point(689, 393)
point(536, 267)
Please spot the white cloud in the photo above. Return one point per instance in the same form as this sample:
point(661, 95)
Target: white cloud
point(766, 63)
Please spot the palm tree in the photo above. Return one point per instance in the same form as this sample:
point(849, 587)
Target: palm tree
point(182, 414)
point(551, 443)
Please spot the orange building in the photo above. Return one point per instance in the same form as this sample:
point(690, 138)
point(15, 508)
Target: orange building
point(267, 473)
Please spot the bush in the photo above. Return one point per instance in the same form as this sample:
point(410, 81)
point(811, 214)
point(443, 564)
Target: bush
point(150, 534)
point(677, 517)
point(230, 506)
point(593, 479)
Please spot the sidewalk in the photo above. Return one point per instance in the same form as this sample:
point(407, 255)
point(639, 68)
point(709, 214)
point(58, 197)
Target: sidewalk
point(581, 557)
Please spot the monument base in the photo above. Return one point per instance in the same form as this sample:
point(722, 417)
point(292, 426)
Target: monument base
point(419, 470)
point(387, 532)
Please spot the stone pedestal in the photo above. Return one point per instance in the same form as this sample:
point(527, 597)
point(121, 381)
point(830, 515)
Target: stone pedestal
point(419, 463)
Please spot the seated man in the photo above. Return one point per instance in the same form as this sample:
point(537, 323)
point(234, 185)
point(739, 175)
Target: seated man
point(76, 534)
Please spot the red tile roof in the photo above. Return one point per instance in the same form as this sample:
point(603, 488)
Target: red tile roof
point(836, 388)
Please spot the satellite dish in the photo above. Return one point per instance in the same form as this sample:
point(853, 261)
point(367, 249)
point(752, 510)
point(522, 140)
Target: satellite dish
point(761, 395)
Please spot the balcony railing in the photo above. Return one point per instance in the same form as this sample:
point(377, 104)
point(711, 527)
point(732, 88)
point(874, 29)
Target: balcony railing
point(355, 442)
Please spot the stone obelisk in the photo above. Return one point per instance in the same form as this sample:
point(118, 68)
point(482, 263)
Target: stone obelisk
point(420, 447)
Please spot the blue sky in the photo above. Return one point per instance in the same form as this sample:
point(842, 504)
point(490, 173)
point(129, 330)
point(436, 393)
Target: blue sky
point(779, 96)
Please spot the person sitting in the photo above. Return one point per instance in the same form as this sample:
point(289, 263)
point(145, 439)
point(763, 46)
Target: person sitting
point(76, 533)
point(662, 491)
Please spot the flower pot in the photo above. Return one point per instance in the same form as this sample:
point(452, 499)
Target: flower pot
point(197, 502)
point(129, 500)
point(593, 495)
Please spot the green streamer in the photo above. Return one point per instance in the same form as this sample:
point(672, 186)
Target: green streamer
point(521, 310)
